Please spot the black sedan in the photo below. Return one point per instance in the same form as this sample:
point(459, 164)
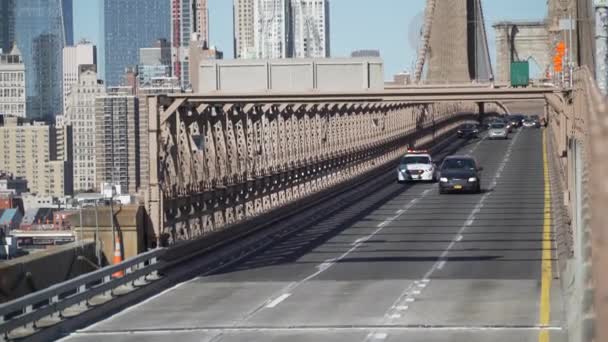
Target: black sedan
point(516, 120)
point(468, 131)
point(460, 174)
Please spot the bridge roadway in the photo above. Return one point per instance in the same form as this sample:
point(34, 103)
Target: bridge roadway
point(399, 263)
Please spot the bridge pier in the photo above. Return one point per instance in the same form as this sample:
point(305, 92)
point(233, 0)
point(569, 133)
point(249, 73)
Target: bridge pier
point(481, 109)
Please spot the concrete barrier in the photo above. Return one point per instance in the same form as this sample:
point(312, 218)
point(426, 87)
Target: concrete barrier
point(129, 225)
point(40, 270)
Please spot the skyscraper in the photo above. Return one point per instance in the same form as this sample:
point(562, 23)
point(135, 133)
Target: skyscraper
point(182, 25)
point(129, 26)
point(281, 28)
point(201, 25)
point(244, 44)
point(40, 29)
point(187, 17)
point(116, 136)
point(272, 28)
point(28, 150)
point(12, 83)
point(7, 24)
point(310, 20)
point(154, 62)
point(73, 56)
point(81, 116)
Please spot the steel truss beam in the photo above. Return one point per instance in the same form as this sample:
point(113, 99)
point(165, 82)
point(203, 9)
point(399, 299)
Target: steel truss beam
point(216, 163)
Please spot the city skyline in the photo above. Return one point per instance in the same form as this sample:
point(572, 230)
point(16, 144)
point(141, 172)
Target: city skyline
point(388, 27)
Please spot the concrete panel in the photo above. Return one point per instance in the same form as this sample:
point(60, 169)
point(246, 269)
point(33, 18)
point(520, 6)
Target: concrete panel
point(207, 77)
point(343, 76)
point(292, 76)
point(376, 75)
point(244, 78)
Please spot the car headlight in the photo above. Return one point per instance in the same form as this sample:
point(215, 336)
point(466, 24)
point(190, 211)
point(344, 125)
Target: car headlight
point(443, 180)
point(472, 180)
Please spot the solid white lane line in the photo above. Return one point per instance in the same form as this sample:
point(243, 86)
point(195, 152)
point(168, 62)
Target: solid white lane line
point(278, 300)
point(290, 329)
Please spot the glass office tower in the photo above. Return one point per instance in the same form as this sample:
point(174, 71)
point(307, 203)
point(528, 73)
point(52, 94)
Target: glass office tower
point(40, 29)
point(129, 26)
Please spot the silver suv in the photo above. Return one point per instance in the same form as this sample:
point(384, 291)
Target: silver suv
point(498, 130)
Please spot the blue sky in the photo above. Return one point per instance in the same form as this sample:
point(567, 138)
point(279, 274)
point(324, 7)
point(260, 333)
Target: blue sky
point(355, 24)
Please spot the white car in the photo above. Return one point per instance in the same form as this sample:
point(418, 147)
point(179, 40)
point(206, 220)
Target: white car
point(416, 166)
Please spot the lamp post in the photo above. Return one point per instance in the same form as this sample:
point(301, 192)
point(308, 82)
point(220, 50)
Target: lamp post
point(112, 214)
point(97, 238)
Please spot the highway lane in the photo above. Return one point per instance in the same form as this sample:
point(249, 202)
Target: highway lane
point(404, 263)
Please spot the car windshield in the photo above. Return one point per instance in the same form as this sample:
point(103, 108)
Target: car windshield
point(468, 126)
point(497, 126)
point(458, 164)
point(415, 160)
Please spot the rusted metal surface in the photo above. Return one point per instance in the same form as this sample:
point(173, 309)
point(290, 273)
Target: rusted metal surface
point(218, 163)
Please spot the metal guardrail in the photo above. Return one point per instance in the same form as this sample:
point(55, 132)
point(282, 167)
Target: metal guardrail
point(26, 311)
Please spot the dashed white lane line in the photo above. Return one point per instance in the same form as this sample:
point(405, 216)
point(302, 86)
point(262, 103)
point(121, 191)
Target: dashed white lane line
point(325, 265)
point(473, 214)
point(477, 144)
point(277, 300)
point(379, 336)
point(414, 288)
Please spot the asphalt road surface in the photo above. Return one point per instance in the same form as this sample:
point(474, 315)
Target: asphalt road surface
point(402, 264)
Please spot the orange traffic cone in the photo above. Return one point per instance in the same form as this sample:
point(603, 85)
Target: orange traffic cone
point(117, 257)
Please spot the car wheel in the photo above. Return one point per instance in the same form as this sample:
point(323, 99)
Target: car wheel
point(478, 190)
point(441, 191)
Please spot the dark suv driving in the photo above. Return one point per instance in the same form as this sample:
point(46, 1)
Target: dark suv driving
point(460, 174)
point(468, 131)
